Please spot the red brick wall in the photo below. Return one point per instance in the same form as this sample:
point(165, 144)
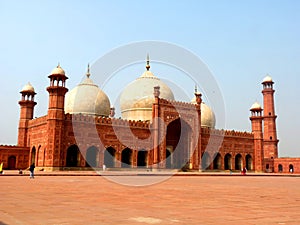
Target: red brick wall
point(285, 165)
point(21, 155)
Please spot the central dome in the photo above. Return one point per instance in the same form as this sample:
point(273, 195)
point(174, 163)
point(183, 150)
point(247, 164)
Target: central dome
point(137, 98)
point(87, 98)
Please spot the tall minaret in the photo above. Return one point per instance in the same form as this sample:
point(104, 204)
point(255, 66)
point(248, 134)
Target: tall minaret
point(55, 119)
point(269, 117)
point(198, 151)
point(256, 121)
point(27, 104)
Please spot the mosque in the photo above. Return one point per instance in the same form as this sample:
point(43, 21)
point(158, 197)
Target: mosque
point(155, 131)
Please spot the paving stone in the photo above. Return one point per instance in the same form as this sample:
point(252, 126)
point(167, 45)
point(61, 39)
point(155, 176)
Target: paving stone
point(180, 200)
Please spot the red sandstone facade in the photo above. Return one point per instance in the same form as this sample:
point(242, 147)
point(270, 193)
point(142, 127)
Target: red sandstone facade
point(59, 141)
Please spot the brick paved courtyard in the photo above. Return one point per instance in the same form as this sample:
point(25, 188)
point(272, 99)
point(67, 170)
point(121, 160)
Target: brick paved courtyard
point(179, 200)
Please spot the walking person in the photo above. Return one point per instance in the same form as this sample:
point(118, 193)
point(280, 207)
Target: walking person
point(31, 169)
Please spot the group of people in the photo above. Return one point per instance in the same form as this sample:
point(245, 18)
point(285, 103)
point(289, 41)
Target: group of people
point(31, 170)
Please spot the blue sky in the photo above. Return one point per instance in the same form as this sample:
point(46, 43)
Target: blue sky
point(240, 41)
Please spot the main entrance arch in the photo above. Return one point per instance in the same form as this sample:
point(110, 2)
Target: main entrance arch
point(179, 139)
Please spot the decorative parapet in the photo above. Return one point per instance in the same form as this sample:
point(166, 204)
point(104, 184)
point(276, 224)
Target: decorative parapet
point(102, 120)
point(13, 147)
point(179, 104)
point(232, 133)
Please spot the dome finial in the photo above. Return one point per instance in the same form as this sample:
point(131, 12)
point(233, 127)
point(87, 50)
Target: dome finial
point(58, 65)
point(196, 90)
point(148, 62)
point(88, 71)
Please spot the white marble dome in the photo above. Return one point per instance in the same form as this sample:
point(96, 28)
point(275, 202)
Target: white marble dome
point(87, 98)
point(28, 87)
point(208, 118)
point(137, 98)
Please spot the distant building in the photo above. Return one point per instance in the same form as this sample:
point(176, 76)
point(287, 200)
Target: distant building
point(79, 131)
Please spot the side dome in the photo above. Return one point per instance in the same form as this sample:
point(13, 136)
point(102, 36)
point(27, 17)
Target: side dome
point(87, 98)
point(28, 88)
point(255, 106)
point(267, 79)
point(58, 70)
point(208, 118)
point(137, 98)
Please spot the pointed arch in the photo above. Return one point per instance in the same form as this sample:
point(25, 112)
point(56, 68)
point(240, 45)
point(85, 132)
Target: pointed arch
point(280, 168)
point(217, 162)
point(91, 157)
point(12, 160)
point(169, 160)
point(126, 158)
point(205, 161)
point(142, 158)
point(228, 162)
point(249, 162)
point(33, 155)
point(73, 156)
point(291, 168)
point(110, 157)
point(178, 138)
point(39, 153)
point(238, 162)
point(44, 157)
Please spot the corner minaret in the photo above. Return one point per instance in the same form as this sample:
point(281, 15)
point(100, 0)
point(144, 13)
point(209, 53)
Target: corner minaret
point(27, 104)
point(57, 91)
point(197, 151)
point(256, 121)
point(269, 118)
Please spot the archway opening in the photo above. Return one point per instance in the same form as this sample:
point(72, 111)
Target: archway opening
point(44, 157)
point(91, 157)
point(142, 158)
point(126, 158)
point(109, 157)
point(179, 139)
point(168, 159)
point(291, 168)
point(205, 161)
point(238, 162)
point(33, 154)
point(12, 160)
point(217, 162)
point(228, 162)
point(280, 168)
point(249, 162)
point(39, 156)
point(73, 156)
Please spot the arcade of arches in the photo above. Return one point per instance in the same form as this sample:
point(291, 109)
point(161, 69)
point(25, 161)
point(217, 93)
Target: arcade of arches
point(128, 158)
